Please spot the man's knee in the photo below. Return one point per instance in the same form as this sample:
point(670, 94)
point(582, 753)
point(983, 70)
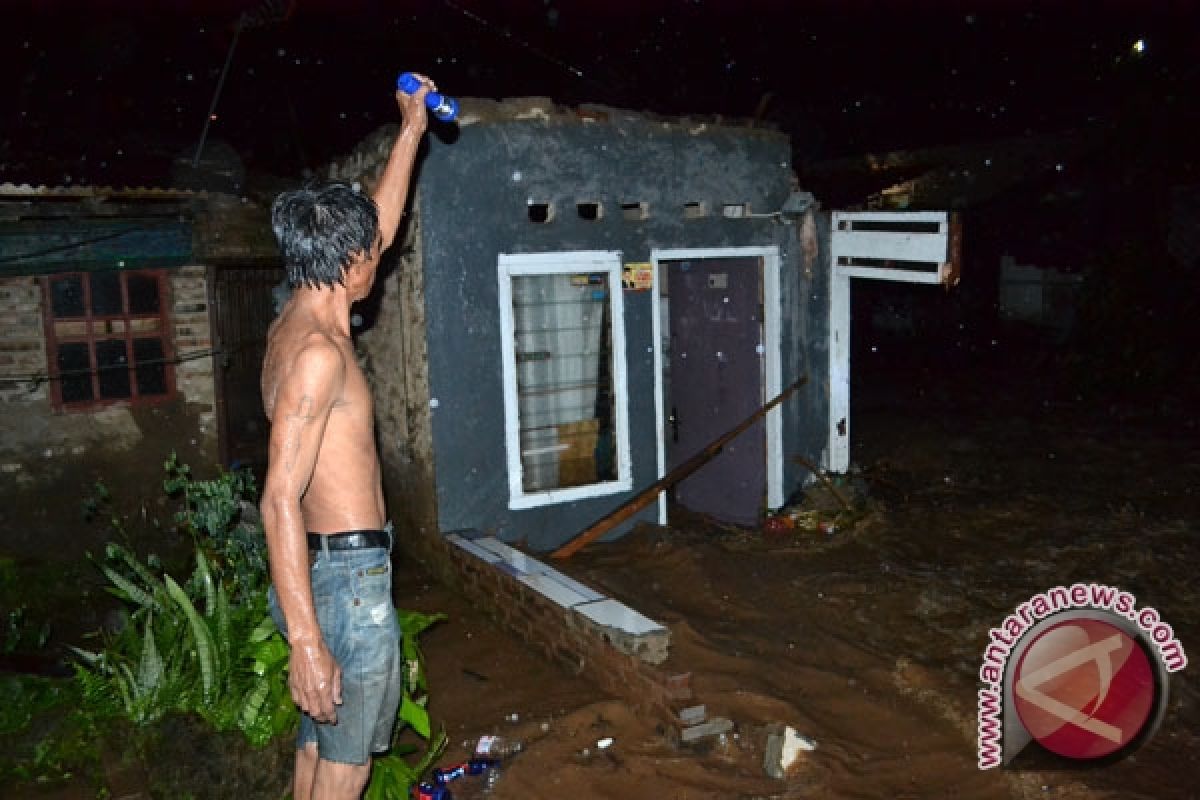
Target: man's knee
point(338, 781)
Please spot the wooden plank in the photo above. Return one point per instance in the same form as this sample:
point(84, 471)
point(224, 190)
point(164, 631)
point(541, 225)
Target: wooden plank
point(651, 492)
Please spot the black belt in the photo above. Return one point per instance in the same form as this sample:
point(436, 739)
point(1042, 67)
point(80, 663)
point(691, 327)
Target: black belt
point(351, 540)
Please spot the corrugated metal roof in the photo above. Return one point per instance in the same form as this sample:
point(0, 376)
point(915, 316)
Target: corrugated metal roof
point(86, 244)
point(126, 192)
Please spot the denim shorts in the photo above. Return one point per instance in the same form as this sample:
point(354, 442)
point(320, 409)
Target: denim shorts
point(352, 592)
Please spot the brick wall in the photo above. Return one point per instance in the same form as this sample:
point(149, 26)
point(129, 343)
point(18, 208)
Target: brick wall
point(22, 341)
point(38, 444)
point(192, 334)
point(562, 635)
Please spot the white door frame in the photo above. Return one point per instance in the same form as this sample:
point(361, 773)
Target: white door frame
point(922, 241)
point(771, 368)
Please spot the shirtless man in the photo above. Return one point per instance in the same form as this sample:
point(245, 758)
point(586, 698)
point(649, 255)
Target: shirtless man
point(322, 501)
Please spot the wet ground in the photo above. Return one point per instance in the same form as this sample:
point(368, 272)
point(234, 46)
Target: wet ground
point(983, 487)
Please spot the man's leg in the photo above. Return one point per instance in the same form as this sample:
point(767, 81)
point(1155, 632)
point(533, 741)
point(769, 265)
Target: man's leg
point(306, 772)
point(336, 781)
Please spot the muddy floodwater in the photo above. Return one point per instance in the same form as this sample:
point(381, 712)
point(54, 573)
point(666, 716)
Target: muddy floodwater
point(983, 489)
point(979, 488)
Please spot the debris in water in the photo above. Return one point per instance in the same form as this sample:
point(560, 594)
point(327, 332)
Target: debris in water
point(783, 749)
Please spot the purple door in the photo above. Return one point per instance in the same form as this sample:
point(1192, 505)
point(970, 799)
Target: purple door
point(716, 382)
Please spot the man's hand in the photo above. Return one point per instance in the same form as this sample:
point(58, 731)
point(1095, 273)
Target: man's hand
point(412, 106)
point(315, 680)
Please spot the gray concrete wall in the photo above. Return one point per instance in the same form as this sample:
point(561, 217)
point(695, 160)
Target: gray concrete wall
point(805, 338)
point(474, 192)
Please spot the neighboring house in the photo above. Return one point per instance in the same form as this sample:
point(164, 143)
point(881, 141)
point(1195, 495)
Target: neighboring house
point(1183, 237)
point(586, 298)
point(112, 354)
point(1045, 297)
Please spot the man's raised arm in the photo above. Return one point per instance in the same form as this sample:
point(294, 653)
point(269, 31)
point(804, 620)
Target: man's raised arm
point(392, 191)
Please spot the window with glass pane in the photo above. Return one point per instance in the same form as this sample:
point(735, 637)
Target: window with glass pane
point(106, 337)
point(564, 387)
point(564, 372)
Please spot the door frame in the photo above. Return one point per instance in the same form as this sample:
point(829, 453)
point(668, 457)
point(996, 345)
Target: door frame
point(771, 264)
point(928, 242)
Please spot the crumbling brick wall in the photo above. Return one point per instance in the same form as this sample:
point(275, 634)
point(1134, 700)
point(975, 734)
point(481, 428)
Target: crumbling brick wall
point(22, 341)
point(558, 633)
point(192, 329)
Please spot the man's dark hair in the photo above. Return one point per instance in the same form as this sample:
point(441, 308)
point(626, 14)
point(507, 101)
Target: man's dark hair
point(320, 230)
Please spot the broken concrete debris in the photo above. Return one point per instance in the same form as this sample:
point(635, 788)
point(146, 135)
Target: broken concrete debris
point(695, 725)
point(713, 727)
point(693, 715)
point(783, 749)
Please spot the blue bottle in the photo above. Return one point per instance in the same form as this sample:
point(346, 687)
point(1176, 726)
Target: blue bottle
point(472, 766)
point(443, 107)
point(430, 791)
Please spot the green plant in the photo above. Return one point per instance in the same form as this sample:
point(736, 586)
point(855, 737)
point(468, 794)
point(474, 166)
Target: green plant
point(222, 519)
point(208, 646)
point(186, 648)
point(22, 634)
point(64, 741)
point(98, 503)
point(393, 776)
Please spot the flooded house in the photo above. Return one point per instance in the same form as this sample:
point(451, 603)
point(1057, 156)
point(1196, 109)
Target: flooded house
point(582, 300)
point(588, 297)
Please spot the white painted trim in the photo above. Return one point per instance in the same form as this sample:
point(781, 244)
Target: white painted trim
point(891, 216)
point(898, 246)
point(838, 453)
point(772, 365)
point(933, 276)
point(660, 420)
point(931, 248)
point(568, 262)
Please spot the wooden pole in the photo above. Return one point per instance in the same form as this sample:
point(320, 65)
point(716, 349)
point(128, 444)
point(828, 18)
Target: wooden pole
point(651, 492)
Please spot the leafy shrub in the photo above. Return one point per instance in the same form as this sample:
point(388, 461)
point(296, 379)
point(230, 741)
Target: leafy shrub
point(223, 521)
point(187, 648)
point(64, 741)
point(22, 634)
point(208, 646)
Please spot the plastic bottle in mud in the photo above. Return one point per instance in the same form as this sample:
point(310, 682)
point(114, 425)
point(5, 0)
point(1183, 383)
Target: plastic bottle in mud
point(494, 750)
point(497, 748)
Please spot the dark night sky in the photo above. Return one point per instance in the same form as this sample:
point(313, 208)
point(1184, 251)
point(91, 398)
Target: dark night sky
point(109, 92)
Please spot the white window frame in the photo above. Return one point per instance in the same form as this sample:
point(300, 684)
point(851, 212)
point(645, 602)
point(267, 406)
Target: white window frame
point(512, 265)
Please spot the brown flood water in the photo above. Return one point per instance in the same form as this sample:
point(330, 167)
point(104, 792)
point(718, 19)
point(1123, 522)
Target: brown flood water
point(870, 640)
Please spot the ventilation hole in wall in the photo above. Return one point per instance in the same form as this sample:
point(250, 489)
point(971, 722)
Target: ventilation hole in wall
point(540, 213)
point(635, 211)
point(735, 210)
point(589, 211)
point(695, 210)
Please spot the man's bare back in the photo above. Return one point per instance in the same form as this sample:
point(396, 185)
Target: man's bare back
point(344, 492)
